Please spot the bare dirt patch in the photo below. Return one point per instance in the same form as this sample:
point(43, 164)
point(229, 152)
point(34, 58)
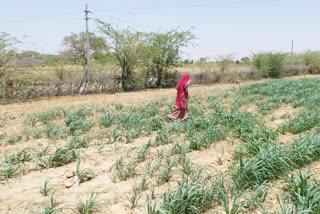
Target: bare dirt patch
point(217, 158)
point(251, 108)
point(287, 138)
point(280, 116)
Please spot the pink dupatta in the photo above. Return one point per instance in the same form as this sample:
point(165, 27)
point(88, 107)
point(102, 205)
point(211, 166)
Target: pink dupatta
point(182, 93)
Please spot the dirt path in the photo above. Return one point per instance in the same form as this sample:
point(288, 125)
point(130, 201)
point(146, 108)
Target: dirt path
point(130, 98)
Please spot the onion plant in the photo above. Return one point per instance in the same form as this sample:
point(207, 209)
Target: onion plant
point(60, 157)
point(49, 208)
point(107, 119)
point(88, 206)
point(304, 192)
point(191, 196)
point(134, 198)
point(84, 174)
point(46, 188)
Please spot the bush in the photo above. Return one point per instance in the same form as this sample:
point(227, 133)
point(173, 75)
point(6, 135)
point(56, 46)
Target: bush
point(312, 59)
point(170, 79)
point(132, 83)
point(270, 64)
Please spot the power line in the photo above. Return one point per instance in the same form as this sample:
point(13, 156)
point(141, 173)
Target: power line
point(126, 22)
point(247, 2)
point(39, 18)
point(199, 5)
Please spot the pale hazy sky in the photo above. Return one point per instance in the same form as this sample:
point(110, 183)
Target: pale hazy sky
point(222, 27)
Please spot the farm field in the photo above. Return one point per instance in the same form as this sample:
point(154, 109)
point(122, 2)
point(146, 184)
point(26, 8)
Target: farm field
point(248, 148)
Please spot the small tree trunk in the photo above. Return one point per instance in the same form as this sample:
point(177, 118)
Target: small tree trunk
point(159, 72)
point(126, 79)
point(10, 88)
point(83, 80)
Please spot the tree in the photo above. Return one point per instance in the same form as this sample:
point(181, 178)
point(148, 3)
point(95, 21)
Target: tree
point(7, 52)
point(270, 64)
point(76, 47)
point(203, 60)
point(29, 54)
point(126, 46)
point(166, 50)
point(245, 60)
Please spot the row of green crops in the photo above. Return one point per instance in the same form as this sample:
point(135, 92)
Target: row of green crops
point(274, 161)
point(298, 93)
point(274, 93)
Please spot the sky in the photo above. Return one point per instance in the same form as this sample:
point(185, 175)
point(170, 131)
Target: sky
point(234, 28)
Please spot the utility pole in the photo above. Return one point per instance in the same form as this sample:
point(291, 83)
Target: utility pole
point(88, 74)
point(291, 54)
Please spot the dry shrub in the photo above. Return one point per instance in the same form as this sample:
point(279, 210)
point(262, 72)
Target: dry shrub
point(298, 70)
point(206, 78)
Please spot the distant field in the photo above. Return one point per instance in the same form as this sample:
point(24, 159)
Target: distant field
point(246, 148)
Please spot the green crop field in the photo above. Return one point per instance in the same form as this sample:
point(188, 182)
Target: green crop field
point(248, 149)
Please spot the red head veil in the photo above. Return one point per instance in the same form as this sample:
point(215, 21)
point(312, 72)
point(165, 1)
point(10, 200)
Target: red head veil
point(182, 94)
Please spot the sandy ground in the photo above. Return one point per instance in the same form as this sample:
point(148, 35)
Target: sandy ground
point(22, 195)
point(24, 190)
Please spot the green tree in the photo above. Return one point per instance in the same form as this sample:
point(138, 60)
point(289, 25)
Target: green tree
point(166, 50)
point(29, 54)
point(76, 45)
point(270, 64)
point(203, 60)
point(7, 51)
point(127, 47)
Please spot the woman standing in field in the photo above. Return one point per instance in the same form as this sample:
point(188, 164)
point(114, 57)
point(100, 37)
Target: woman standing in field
point(181, 111)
